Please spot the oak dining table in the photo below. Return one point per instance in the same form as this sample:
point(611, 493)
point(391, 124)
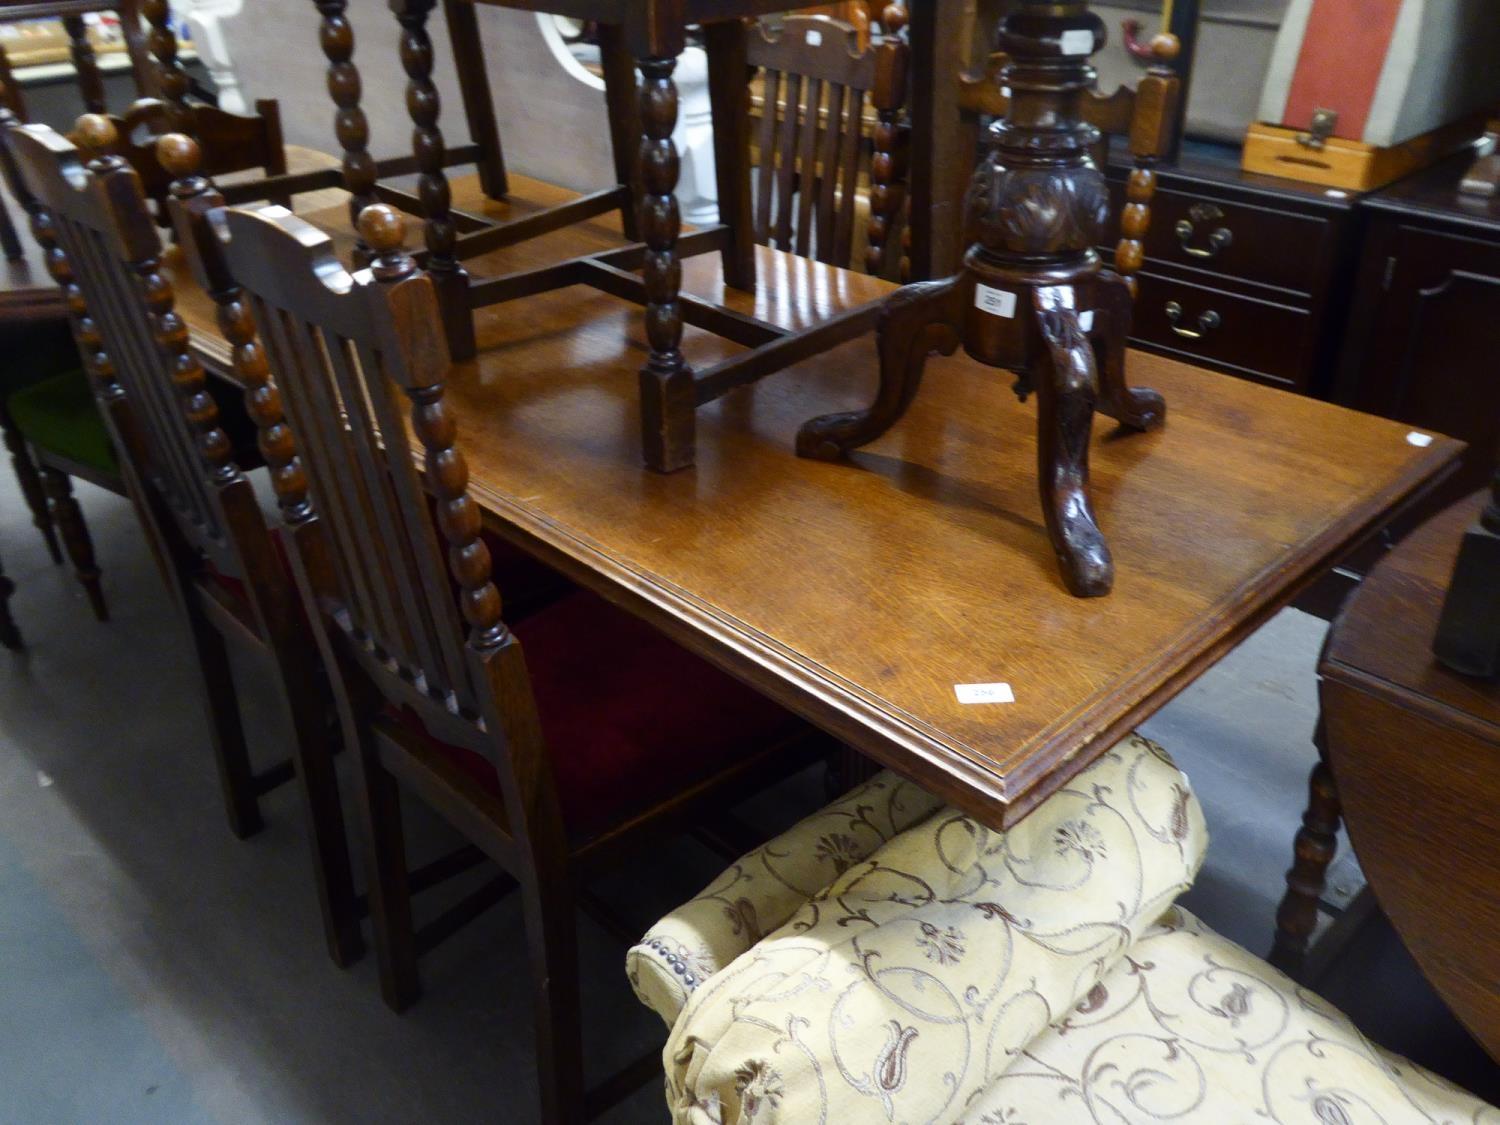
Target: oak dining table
point(905, 600)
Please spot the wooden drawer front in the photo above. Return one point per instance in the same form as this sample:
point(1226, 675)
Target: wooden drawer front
point(1239, 240)
point(1258, 339)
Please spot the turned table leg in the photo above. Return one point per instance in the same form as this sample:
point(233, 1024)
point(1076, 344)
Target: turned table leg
point(75, 536)
point(668, 403)
point(10, 636)
point(336, 36)
point(1314, 849)
point(449, 278)
point(30, 481)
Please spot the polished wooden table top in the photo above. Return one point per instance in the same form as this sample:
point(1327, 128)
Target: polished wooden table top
point(861, 594)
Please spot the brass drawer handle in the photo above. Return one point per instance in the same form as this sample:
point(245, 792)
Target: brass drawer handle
point(1207, 322)
point(1220, 239)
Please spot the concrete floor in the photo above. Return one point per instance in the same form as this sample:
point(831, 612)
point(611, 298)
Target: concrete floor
point(152, 968)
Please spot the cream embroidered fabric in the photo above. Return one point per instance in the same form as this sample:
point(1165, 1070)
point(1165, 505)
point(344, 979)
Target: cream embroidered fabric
point(903, 988)
point(1189, 1027)
point(766, 887)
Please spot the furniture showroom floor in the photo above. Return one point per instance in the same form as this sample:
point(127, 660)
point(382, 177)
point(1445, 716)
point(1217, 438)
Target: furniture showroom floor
point(152, 968)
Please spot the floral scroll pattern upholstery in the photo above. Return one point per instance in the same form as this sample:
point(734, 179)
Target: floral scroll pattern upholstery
point(902, 989)
point(1189, 1027)
point(766, 887)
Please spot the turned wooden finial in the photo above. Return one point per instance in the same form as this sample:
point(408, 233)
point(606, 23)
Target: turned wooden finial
point(96, 134)
point(892, 18)
point(1165, 47)
point(383, 228)
point(179, 154)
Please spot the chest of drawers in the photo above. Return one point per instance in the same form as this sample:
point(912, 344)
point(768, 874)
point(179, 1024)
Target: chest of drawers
point(1246, 274)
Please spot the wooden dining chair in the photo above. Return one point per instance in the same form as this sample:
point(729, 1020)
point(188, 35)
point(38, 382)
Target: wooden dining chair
point(86, 72)
point(205, 526)
point(814, 154)
point(1146, 117)
point(230, 142)
point(577, 754)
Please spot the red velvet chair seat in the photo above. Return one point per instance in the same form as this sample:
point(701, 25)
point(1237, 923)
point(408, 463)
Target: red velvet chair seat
point(525, 583)
point(629, 716)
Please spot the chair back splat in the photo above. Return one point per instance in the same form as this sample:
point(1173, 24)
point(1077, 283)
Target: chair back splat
point(198, 508)
point(104, 244)
point(816, 84)
point(361, 362)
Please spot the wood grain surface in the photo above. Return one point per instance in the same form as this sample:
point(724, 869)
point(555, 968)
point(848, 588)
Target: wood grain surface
point(1414, 749)
point(860, 593)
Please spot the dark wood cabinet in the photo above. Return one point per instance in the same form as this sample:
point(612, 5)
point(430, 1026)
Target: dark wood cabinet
point(1245, 274)
point(1423, 342)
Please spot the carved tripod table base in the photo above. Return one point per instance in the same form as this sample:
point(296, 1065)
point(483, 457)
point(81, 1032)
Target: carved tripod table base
point(1062, 332)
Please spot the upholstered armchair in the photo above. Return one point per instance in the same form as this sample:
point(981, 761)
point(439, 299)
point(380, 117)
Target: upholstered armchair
point(890, 959)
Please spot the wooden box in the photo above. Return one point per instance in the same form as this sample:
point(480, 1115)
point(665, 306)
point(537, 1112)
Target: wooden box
point(1351, 166)
point(1360, 94)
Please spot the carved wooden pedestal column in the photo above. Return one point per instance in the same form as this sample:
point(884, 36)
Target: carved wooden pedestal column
point(1032, 296)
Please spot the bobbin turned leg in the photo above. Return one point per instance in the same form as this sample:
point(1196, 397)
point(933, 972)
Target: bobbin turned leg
point(1314, 849)
point(1066, 386)
point(10, 636)
point(1142, 408)
point(916, 321)
point(424, 104)
point(336, 37)
point(30, 481)
point(75, 536)
point(668, 402)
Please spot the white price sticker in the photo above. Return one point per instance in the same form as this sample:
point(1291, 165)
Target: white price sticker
point(997, 302)
point(1086, 320)
point(984, 693)
point(1420, 440)
point(814, 38)
point(1079, 41)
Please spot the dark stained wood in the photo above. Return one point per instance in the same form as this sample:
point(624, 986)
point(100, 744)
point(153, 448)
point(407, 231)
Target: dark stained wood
point(1244, 498)
point(1032, 297)
point(1425, 308)
point(1468, 635)
point(1146, 116)
point(172, 80)
point(1412, 746)
point(85, 63)
point(29, 479)
point(1313, 851)
point(10, 635)
point(196, 505)
point(43, 472)
point(336, 36)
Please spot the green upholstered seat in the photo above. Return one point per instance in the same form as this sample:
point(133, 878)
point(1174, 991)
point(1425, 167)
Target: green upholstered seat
point(59, 415)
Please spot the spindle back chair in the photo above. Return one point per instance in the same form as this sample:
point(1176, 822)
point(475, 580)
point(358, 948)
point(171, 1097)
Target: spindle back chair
point(432, 684)
point(812, 159)
point(197, 506)
point(1146, 116)
point(228, 142)
point(89, 77)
